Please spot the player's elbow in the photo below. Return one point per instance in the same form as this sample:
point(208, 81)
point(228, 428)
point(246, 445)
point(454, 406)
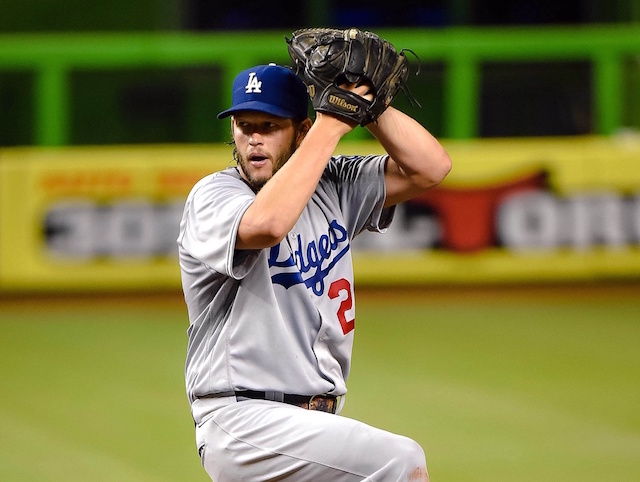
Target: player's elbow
point(435, 171)
point(274, 233)
point(264, 233)
point(442, 167)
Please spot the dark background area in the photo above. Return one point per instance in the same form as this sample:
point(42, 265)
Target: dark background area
point(160, 15)
point(157, 106)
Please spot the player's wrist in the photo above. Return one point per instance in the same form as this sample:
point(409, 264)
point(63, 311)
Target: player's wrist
point(334, 124)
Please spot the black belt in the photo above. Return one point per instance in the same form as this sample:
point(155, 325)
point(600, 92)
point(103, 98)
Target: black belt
point(324, 403)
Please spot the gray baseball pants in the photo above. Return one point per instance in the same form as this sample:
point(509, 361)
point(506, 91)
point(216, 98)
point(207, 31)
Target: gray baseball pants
point(259, 441)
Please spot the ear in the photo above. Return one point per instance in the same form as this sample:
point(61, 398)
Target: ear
point(305, 125)
point(232, 127)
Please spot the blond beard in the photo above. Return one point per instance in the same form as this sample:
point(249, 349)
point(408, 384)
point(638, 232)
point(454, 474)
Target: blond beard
point(258, 183)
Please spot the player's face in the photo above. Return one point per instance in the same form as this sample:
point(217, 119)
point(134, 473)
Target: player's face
point(264, 143)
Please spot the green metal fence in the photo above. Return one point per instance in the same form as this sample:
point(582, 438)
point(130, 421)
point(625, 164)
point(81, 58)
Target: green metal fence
point(461, 51)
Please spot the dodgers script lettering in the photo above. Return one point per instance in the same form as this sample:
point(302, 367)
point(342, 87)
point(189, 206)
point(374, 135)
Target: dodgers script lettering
point(313, 261)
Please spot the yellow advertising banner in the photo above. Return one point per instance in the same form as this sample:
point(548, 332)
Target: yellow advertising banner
point(95, 218)
point(520, 210)
point(517, 210)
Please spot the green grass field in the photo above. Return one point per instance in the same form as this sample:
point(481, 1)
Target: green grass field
point(497, 385)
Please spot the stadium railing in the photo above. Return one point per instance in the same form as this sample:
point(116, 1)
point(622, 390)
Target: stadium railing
point(52, 57)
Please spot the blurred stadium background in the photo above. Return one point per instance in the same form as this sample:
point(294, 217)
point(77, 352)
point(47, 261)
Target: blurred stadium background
point(498, 319)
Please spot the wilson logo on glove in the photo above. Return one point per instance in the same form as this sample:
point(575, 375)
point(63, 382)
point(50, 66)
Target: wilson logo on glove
point(340, 102)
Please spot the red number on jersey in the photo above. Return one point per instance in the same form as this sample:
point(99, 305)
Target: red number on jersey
point(336, 288)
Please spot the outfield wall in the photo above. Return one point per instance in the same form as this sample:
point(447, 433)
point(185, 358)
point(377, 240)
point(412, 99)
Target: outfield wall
point(526, 210)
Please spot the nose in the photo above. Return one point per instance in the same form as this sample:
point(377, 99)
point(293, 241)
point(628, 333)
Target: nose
point(255, 138)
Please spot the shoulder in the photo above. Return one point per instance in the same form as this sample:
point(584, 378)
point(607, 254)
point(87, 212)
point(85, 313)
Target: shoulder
point(350, 167)
point(228, 179)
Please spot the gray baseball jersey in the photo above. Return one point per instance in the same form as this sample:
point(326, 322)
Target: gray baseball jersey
point(278, 319)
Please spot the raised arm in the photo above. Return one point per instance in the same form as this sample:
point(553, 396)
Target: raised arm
point(280, 201)
point(417, 161)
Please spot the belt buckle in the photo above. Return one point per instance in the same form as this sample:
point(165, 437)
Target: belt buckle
point(322, 403)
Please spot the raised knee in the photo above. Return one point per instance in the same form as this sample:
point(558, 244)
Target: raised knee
point(396, 458)
point(413, 461)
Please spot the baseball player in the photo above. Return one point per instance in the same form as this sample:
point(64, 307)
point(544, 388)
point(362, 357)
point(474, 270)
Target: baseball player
point(265, 257)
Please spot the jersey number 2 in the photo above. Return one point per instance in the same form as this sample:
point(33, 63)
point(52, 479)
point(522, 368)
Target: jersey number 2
point(335, 290)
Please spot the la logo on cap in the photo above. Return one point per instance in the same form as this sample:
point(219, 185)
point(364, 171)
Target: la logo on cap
point(253, 85)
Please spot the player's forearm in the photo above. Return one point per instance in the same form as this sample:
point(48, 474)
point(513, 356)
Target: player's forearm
point(280, 202)
point(418, 154)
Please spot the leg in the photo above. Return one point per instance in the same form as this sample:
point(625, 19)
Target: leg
point(261, 441)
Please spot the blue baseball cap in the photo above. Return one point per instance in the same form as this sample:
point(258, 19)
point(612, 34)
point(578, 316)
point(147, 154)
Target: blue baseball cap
point(269, 88)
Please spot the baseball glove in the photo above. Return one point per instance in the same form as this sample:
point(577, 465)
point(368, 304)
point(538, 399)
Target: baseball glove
point(325, 58)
